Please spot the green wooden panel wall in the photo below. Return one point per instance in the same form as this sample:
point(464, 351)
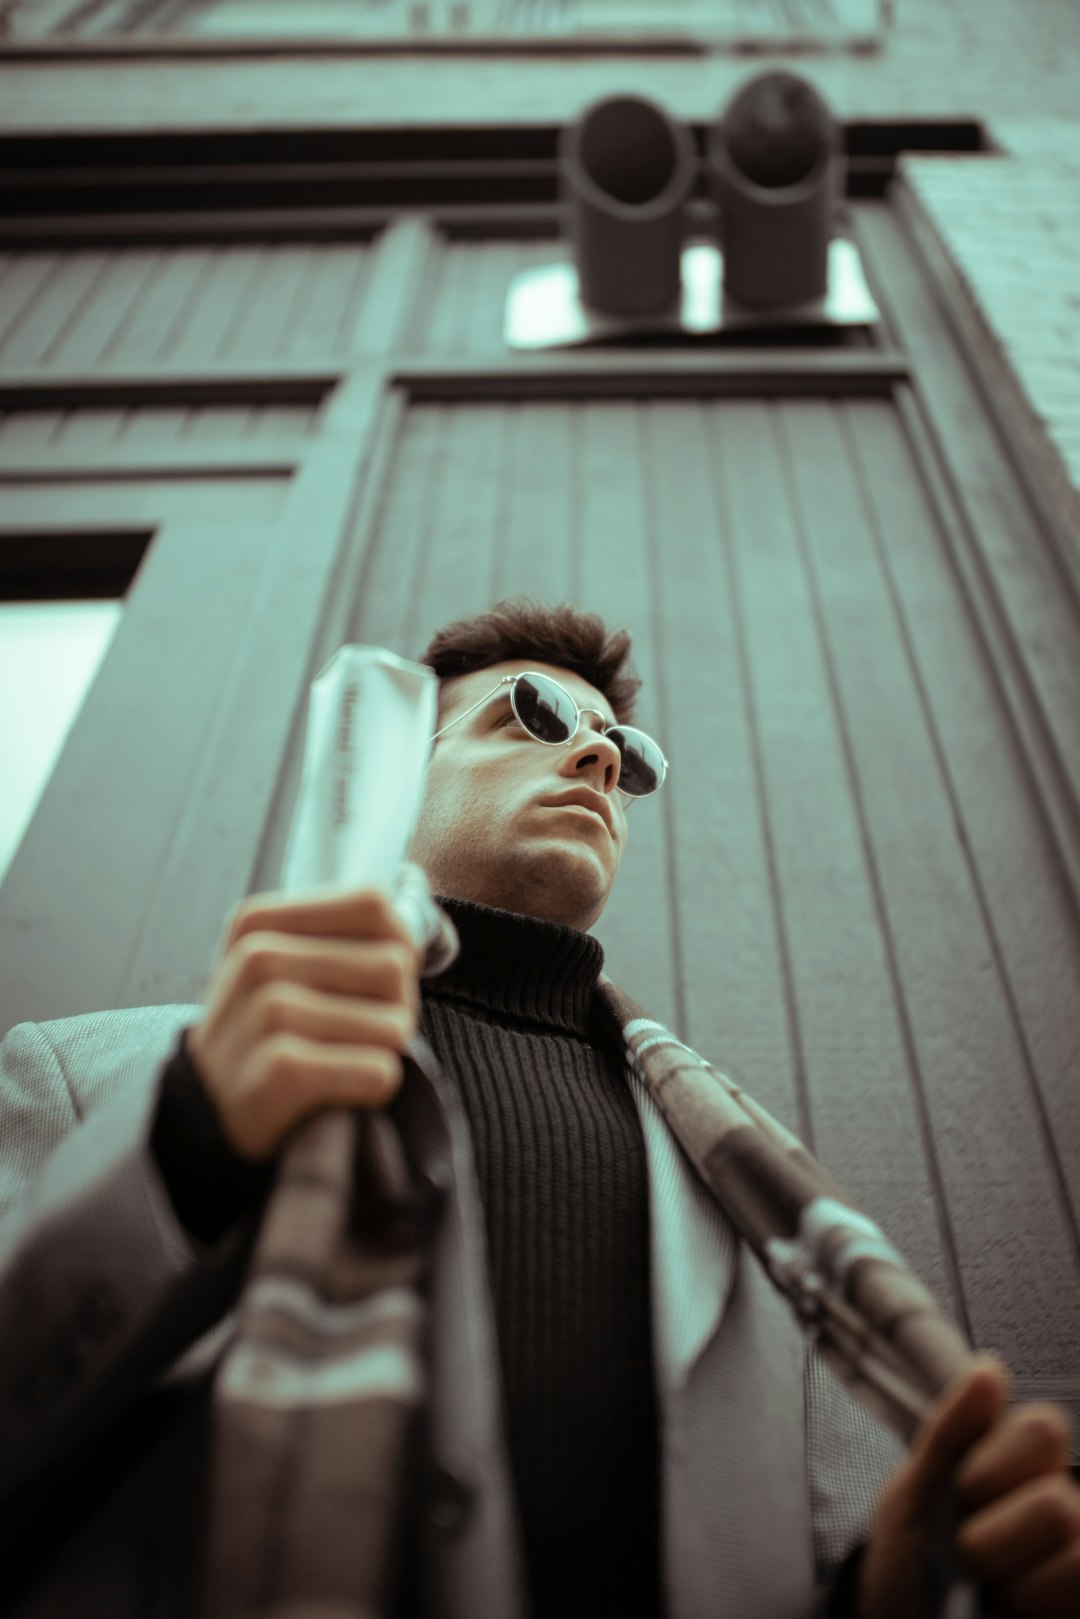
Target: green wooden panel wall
point(846, 894)
point(212, 304)
point(859, 891)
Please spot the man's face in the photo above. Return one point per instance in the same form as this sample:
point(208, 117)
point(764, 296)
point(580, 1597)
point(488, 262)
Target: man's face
point(492, 828)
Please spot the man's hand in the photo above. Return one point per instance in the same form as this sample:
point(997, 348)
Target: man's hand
point(309, 1007)
point(1018, 1508)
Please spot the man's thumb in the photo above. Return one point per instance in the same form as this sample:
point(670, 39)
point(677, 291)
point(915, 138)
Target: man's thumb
point(969, 1408)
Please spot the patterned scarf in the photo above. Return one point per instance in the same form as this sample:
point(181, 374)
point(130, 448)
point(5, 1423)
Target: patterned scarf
point(315, 1399)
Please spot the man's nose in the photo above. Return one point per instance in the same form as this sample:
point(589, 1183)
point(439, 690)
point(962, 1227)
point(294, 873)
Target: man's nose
point(593, 756)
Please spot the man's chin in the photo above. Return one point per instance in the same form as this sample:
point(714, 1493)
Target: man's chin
point(568, 877)
point(564, 879)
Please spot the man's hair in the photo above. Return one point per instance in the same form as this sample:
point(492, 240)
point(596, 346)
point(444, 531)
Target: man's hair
point(519, 627)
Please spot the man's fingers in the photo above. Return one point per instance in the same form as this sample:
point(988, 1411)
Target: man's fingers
point(1028, 1442)
point(1022, 1529)
point(961, 1416)
point(361, 913)
point(342, 1075)
point(1051, 1591)
point(290, 1008)
point(311, 1006)
point(299, 1077)
point(264, 961)
point(1018, 1533)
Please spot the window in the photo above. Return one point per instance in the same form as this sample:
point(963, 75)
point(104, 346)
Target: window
point(50, 652)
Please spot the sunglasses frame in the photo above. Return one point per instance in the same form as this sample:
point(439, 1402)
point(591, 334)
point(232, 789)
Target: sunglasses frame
point(524, 674)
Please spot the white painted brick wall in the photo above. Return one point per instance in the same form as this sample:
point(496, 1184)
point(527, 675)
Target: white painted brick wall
point(1011, 227)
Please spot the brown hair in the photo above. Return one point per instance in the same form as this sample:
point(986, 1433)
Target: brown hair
point(519, 627)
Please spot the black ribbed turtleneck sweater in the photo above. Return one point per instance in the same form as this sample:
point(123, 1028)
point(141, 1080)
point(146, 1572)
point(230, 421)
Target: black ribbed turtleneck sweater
point(560, 1161)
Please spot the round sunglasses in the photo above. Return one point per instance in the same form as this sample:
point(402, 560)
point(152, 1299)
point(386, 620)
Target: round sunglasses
point(549, 714)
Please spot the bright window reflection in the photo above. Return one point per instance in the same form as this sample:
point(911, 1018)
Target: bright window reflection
point(49, 655)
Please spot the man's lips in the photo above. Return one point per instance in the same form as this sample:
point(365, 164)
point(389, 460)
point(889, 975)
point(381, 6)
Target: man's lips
point(586, 799)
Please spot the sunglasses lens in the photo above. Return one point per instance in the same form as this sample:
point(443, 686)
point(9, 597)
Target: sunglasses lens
point(642, 769)
point(546, 712)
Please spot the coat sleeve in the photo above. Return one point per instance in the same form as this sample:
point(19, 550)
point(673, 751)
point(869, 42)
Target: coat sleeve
point(839, 1599)
point(101, 1287)
point(851, 1455)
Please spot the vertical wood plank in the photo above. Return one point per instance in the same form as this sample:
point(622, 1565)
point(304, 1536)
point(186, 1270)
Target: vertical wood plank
point(465, 534)
point(89, 429)
point(198, 334)
point(994, 1193)
point(259, 329)
point(153, 424)
point(159, 321)
point(106, 312)
point(393, 577)
point(45, 318)
point(494, 267)
point(29, 429)
point(533, 557)
point(28, 280)
point(731, 970)
point(330, 291)
point(281, 422)
point(206, 423)
point(440, 334)
point(852, 1063)
point(614, 533)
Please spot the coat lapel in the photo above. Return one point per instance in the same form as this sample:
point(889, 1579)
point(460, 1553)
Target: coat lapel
point(731, 1400)
point(693, 1248)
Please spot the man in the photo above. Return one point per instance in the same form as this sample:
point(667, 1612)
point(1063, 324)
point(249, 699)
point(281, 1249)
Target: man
point(622, 1441)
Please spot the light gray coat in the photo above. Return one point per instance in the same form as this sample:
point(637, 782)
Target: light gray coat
point(769, 1468)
